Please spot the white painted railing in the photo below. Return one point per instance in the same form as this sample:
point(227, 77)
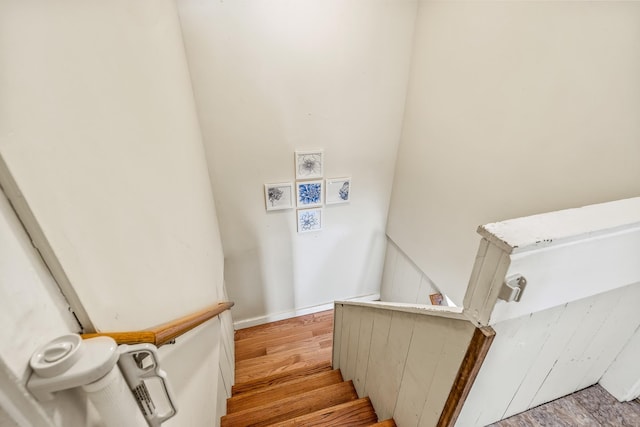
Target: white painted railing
point(577, 321)
point(404, 357)
point(564, 256)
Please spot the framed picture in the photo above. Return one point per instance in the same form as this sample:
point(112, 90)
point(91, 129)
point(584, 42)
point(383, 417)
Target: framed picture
point(309, 220)
point(436, 299)
point(309, 164)
point(338, 190)
point(309, 193)
point(278, 196)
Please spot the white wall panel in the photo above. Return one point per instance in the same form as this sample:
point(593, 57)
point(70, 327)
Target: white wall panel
point(567, 272)
point(405, 361)
point(193, 367)
point(622, 378)
point(551, 353)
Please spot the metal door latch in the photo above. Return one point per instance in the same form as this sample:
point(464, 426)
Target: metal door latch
point(512, 288)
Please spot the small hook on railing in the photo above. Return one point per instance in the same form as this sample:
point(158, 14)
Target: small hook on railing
point(512, 288)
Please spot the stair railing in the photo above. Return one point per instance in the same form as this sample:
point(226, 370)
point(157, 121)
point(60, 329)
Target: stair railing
point(416, 363)
point(166, 332)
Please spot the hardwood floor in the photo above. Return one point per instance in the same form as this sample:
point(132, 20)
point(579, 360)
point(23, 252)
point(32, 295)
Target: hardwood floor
point(267, 352)
point(284, 378)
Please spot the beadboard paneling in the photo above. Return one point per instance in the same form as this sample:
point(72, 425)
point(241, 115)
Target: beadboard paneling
point(405, 362)
point(402, 280)
point(551, 353)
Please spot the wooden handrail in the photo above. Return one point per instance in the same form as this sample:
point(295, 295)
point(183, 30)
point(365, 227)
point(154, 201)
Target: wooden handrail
point(164, 333)
point(469, 368)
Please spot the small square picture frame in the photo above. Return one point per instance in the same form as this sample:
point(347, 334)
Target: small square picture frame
point(309, 193)
point(309, 164)
point(436, 299)
point(278, 196)
point(309, 220)
point(338, 190)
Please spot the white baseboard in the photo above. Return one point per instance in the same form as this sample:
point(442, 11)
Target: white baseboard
point(255, 321)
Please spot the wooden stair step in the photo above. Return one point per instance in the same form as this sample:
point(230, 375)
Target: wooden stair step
point(300, 370)
point(293, 387)
point(268, 365)
point(308, 349)
point(385, 423)
point(248, 348)
point(318, 342)
point(355, 413)
point(325, 330)
point(294, 406)
point(279, 337)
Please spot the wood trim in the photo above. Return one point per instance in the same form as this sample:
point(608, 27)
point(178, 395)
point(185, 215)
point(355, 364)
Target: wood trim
point(133, 337)
point(162, 334)
point(469, 368)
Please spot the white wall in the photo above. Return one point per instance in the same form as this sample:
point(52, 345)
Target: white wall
point(270, 77)
point(29, 297)
point(99, 132)
point(513, 108)
point(33, 311)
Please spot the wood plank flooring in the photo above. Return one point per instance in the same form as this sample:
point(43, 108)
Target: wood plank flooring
point(284, 378)
point(274, 350)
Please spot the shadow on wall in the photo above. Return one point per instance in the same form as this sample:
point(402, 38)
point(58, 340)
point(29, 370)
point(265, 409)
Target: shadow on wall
point(372, 267)
point(260, 278)
point(245, 283)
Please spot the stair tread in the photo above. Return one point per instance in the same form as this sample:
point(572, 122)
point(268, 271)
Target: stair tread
point(300, 369)
point(305, 348)
point(386, 423)
point(355, 413)
point(254, 347)
point(319, 341)
point(293, 406)
point(273, 392)
point(275, 363)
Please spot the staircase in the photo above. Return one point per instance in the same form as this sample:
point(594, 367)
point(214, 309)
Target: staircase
point(284, 378)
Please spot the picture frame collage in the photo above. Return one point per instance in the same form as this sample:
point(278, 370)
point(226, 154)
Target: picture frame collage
point(311, 191)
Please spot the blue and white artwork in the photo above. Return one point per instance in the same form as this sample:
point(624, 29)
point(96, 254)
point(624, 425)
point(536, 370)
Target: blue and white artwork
point(309, 193)
point(338, 190)
point(309, 220)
